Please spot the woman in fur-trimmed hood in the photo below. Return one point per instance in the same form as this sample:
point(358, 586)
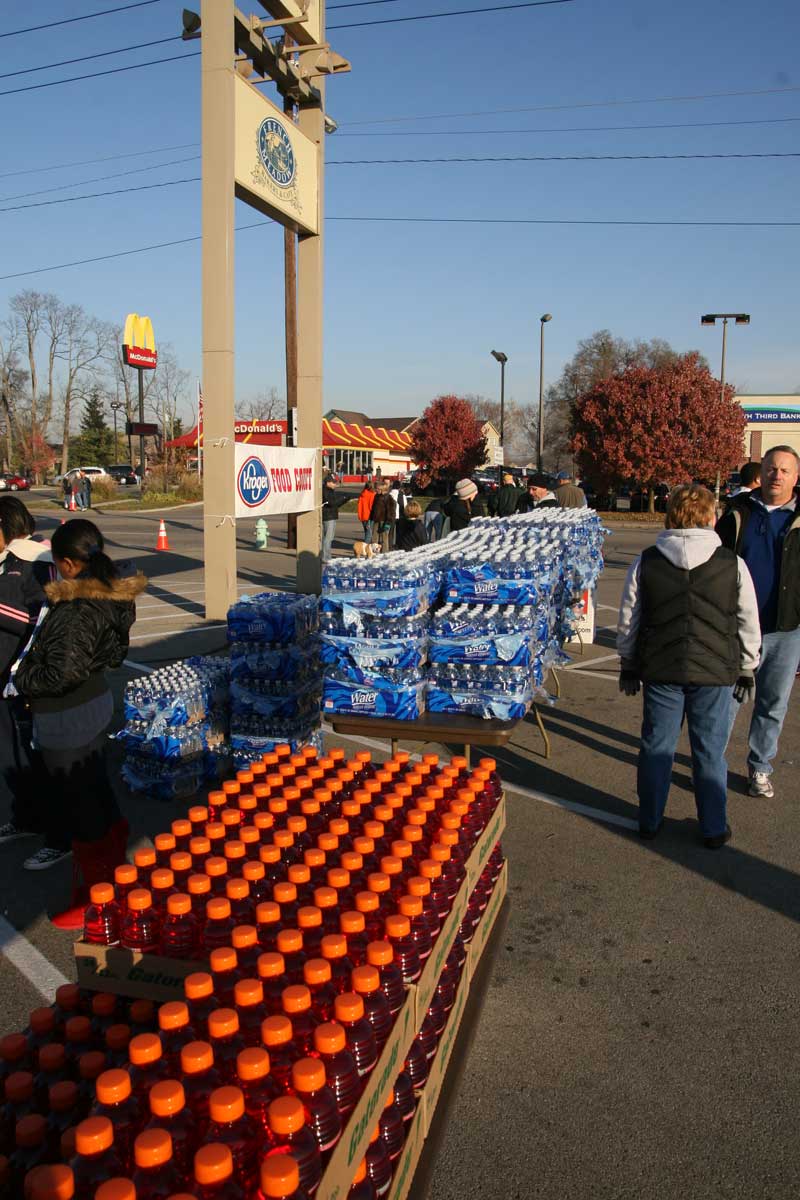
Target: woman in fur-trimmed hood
point(84, 630)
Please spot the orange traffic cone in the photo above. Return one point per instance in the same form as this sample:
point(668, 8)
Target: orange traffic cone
point(72, 505)
point(162, 543)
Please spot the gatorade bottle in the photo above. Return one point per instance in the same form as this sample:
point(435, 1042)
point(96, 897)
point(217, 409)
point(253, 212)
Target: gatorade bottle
point(334, 948)
point(199, 888)
point(68, 1003)
point(216, 868)
point(392, 866)
point(412, 907)
point(117, 1039)
point(101, 921)
point(353, 862)
point(297, 825)
point(446, 987)
point(155, 1175)
point(116, 1102)
point(148, 1065)
point(365, 846)
point(217, 834)
point(116, 1189)
point(54, 1182)
point(175, 1031)
point(182, 832)
point(200, 849)
point(248, 998)
point(145, 860)
point(353, 925)
point(225, 972)
point(164, 845)
point(349, 1012)
point(235, 853)
point(30, 1150)
point(457, 956)
point(361, 1187)
point(319, 1102)
point(253, 871)
point(179, 930)
point(200, 1078)
point(392, 1128)
point(284, 840)
point(309, 922)
point(90, 1067)
point(272, 973)
point(142, 1017)
point(276, 1034)
point(380, 883)
point(327, 901)
point(431, 869)
point(141, 928)
point(259, 1087)
point(268, 924)
point(317, 976)
point(77, 1041)
point(404, 1097)
point(226, 1040)
point(289, 943)
point(169, 1111)
point(162, 886)
point(284, 894)
point(20, 1103)
point(238, 894)
point(213, 1173)
point(280, 1179)
point(231, 1126)
point(379, 1166)
point(104, 1015)
point(250, 838)
point(244, 940)
point(368, 904)
point(420, 886)
point(290, 1135)
point(52, 1069)
point(270, 856)
point(366, 981)
point(416, 1065)
point(96, 1158)
point(198, 989)
point(219, 924)
point(41, 1032)
point(296, 1001)
point(340, 1067)
point(429, 1033)
point(406, 956)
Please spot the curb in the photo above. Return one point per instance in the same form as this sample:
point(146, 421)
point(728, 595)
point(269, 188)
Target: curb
point(137, 511)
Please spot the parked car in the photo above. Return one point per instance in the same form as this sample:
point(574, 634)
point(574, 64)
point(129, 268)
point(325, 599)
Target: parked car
point(123, 473)
point(640, 498)
point(14, 483)
point(99, 472)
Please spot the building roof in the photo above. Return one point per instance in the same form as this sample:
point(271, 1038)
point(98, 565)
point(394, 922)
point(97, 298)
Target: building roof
point(400, 424)
point(355, 435)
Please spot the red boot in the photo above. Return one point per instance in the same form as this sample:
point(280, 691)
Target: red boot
point(92, 862)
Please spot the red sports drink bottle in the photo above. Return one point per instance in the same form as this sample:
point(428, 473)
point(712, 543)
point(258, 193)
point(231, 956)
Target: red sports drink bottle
point(238, 893)
point(148, 1064)
point(248, 999)
point(164, 845)
point(268, 924)
point(330, 1043)
point(182, 832)
point(334, 948)
point(78, 1040)
point(319, 1102)
point(96, 1158)
point(280, 1179)
point(379, 1166)
point(162, 886)
point(213, 1173)
point(361, 1187)
point(30, 1137)
point(198, 989)
point(349, 1012)
point(105, 1013)
point(404, 1097)
point(200, 1078)
point(226, 1040)
point(198, 887)
point(253, 871)
point(179, 929)
point(231, 1126)
point(224, 964)
point(155, 1175)
point(219, 924)
point(169, 1111)
point(290, 1135)
point(353, 925)
point(52, 1182)
point(369, 906)
point(366, 982)
point(63, 1114)
point(260, 1088)
point(270, 856)
point(175, 1032)
point(216, 868)
point(244, 940)
point(309, 922)
point(41, 1032)
point(53, 1068)
point(290, 944)
point(296, 1002)
point(90, 1067)
point(420, 885)
point(141, 928)
point(101, 921)
point(392, 1128)
point(182, 866)
point(317, 976)
point(272, 973)
point(416, 1065)
point(412, 907)
point(398, 933)
point(276, 1034)
point(380, 954)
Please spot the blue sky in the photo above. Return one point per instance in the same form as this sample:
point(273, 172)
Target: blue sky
point(413, 310)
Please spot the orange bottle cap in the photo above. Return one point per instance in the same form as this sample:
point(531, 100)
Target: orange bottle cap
point(348, 1006)
point(374, 830)
point(366, 902)
point(142, 1012)
point(51, 1058)
point(244, 776)
point(434, 792)
point(215, 866)
point(112, 1087)
point(487, 764)
point(269, 854)
point(383, 813)
point(283, 838)
point(92, 1136)
point(439, 852)
point(161, 879)
point(362, 797)
point(19, 1086)
point(451, 821)
point(166, 1098)
point(334, 945)
point(234, 850)
point(30, 1130)
point(223, 958)
point(309, 917)
point(397, 926)
point(270, 965)
point(417, 817)
point(276, 1030)
point(230, 787)
point(316, 971)
point(226, 1104)
point(391, 864)
point(237, 889)
point(280, 1176)
point(350, 808)
point(328, 842)
point(196, 1057)
point(296, 824)
point(378, 881)
point(145, 858)
point(365, 979)
point(286, 1115)
point(103, 1004)
point(329, 1038)
point(429, 868)
point(338, 878)
point(139, 899)
point(213, 1163)
point(308, 1075)
point(249, 835)
point(299, 873)
point(218, 909)
point(42, 1020)
point(267, 913)
point(78, 1029)
point(296, 998)
point(289, 941)
point(253, 871)
point(252, 1064)
point(164, 841)
point(181, 828)
point(351, 922)
point(101, 893)
point(448, 837)
point(144, 1048)
point(284, 893)
point(54, 1182)
point(248, 992)
point(418, 885)
point(62, 1096)
point(326, 897)
point(198, 986)
point(197, 814)
point(125, 873)
point(314, 857)
point(91, 1064)
point(223, 1022)
point(458, 760)
point(179, 904)
point(244, 936)
point(180, 861)
point(410, 906)
point(361, 1172)
point(199, 847)
point(352, 861)
point(173, 1015)
point(402, 849)
point(117, 1038)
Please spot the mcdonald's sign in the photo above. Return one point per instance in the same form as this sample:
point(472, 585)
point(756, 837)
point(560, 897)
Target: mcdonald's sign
point(139, 343)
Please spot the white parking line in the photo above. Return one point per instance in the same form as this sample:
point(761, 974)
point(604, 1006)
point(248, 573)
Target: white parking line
point(590, 663)
point(134, 666)
point(29, 961)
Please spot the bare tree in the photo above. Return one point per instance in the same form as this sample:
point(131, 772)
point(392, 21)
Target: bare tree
point(12, 391)
point(514, 422)
point(27, 310)
point(264, 406)
point(82, 346)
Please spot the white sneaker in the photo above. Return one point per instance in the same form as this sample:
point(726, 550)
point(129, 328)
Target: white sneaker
point(47, 857)
point(10, 832)
point(759, 785)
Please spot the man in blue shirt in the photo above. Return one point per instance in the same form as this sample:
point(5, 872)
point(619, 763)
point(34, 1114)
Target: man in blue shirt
point(763, 527)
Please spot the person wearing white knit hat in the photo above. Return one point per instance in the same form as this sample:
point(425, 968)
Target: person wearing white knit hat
point(459, 506)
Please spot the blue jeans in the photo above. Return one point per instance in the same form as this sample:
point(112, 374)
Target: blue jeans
point(706, 711)
point(367, 531)
point(780, 656)
point(328, 531)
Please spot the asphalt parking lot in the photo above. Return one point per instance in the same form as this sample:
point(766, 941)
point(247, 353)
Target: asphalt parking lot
point(639, 1030)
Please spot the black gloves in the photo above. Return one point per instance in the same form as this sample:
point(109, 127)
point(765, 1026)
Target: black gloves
point(743, 688)
point(629, 682)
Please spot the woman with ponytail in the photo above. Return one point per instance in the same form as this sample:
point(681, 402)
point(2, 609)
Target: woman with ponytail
point(85, 629)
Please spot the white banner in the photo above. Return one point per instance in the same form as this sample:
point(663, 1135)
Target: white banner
point(274, 479)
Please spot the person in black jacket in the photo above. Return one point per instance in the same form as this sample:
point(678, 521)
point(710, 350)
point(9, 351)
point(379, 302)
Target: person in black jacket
point(503, 502)
point(410, 531)
point(332, 501)
point(85, 629)
point(537, 494)
point(459, 507)
point(384, 515)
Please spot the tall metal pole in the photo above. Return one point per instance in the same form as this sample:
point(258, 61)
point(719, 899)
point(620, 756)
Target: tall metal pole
point(140, 373)
point(540, 450)
point(722, 387)
point(290, 324)
point(502, 402)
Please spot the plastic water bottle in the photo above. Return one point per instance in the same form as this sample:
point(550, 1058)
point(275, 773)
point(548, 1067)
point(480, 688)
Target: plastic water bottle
point(169, 1111)
point(231, 1126)
point(214, 1174)
point(141, 927)
point(101, 922)
point(290, 1135)
point(330, 1043)
point(349, 1012)
point(319, 1102)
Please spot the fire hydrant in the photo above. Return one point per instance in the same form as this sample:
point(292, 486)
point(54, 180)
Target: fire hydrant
point(262, 534)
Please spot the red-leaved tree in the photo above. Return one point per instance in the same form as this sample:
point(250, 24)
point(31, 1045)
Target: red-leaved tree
point(664, 424)
point(447, 439)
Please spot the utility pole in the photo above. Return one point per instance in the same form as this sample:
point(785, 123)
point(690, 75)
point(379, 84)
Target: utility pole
point(540, 446)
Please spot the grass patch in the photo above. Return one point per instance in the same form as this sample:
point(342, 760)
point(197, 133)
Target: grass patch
point(153, 500)
point(639, 518)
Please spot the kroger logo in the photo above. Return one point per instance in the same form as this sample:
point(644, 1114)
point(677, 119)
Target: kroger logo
point(252, 482)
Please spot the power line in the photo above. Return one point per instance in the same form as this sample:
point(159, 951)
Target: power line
point(666, 223)
point(71, 20)
point(516, 158)
point(35, 87)
point(63, 187)
point(359, 4)
point(568, 129)
point(68, 62)
point(462, 12)
point(90, 162)
point(494, 112)
point(144, 187)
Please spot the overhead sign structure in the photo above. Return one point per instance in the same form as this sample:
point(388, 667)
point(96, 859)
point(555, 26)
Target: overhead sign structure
point(274, 480)
point(275, 165)
point(139, 343)
point(787, 414)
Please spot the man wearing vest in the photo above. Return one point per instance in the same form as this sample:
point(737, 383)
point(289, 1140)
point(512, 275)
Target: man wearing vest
point(688, 629)
point(763, 527)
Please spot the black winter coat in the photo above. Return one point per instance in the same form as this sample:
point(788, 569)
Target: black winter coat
point(503, 503)
point(384, 511)
point(21, 597)
point(332, 501)
point(731, 527)
point(86, 630)
point(410, 533)
point(459, 512)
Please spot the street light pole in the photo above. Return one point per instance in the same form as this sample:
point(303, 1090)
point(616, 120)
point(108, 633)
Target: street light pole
point(502, 359)
point(540, 450)
point(711, 319)
point(116, 405)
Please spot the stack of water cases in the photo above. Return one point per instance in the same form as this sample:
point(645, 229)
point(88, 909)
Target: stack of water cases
point(316, 928)
point(276, 676)
point(176, 727)
point(374, 635)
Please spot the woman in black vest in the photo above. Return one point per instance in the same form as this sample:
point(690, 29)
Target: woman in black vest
point(688, 629)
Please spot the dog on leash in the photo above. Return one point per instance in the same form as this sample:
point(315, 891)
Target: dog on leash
point(366, 549)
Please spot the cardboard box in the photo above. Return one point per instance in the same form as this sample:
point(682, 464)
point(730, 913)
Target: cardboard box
point(407, 1162)
point(354, 1141)
point(481, 934)
point(130, 973)
point(430, 1095)
point(486, 844)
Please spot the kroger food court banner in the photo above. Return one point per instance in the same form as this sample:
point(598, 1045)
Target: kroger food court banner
point(274, 479)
